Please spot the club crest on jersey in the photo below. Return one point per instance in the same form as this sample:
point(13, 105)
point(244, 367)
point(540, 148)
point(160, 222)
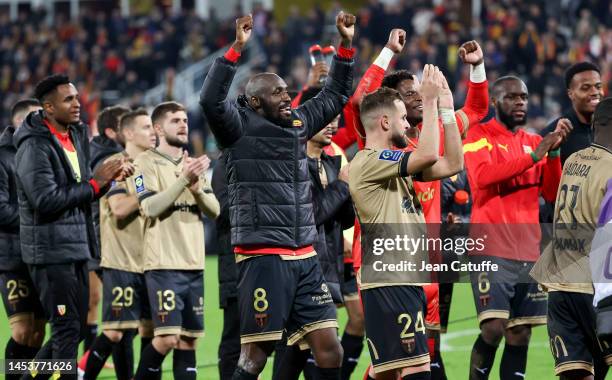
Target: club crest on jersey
point(139, 183)
point(408, 345)
point(261, 319)
point(61, 310)
point(297, 123)
point(390, 155)
point(527, 149)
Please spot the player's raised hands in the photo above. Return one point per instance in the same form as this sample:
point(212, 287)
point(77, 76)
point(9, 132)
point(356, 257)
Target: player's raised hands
point(320, 69)
point(470, 52)
point(551, 140)
point(445, 99)
point(345, 22)
point(244, 27)
point(108, 171)
point(397, 40)
point(564, 127)
point(431, 86)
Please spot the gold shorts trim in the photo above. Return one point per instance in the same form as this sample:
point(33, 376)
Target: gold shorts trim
point(433, 326)
point(533, 321)
point(493, 314)
point(120, 325)
point(401, 363)
point(574, 365)
point(193, 333)
point(20, 317)
point(608, 360)
point(310, 327)
point(351, 297)
point(261, 337)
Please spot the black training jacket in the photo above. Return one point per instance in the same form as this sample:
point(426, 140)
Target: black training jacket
point(56, 225)
point(10, 251)
point(269, 190)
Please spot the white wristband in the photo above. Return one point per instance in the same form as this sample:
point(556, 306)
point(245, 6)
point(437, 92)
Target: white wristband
point(447, 115)
point(384, 58)
point(477, 73)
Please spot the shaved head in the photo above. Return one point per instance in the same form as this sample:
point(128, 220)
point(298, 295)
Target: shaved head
point(261, 82)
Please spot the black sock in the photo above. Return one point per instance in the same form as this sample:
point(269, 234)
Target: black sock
point(241, 374)
point(328, 373)
point(184, 364)
point(418, 376)
point(437, 367)
point(15, 350)
point(150, 364)
point(144, 342)
point(513, 363)
point(123, 356)
point(90, 336)
point(310, 367)
point(483, 356)
point(289, 362)
point(352, 345)
point(99, 351)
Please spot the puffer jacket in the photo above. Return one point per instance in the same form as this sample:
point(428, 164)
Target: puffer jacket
point(10, 250)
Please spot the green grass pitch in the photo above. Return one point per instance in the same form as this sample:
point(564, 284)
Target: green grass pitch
point(456, 345)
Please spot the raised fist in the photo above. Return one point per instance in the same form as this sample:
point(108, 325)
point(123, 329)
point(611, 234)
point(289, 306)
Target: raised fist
point(244, 27)
point(397, 40)
point(470, 52)
point(318, 71)
point(345, 22)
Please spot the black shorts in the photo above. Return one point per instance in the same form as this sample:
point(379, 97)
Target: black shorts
point(19, 296)
point(571, 330)
point(508, 293)
point(125, 303)
point(276, 295)
point(350, 291)
point(177, 301)
point(395, 326)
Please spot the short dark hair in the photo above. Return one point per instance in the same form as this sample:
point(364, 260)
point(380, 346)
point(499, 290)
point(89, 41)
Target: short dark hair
point(109, 118)
point(602, 117)
point(163, 108)
point(23, 105)
point(309, 93)
point(393, 79)
point(578, 68)
point(495, 88)
point(128, 118)
point(48, 85)
point(383, 97)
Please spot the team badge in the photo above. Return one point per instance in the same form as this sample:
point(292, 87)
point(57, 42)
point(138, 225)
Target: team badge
point(390, 155)
point(297, 123)
point(527, 149)
point(325, 288)
point(484, 300)
point(139, 182)
point(61, 310)
point(408, 345)
point(261, 319)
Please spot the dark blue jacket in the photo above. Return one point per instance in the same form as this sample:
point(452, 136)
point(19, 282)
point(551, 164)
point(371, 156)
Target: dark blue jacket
point(10, 251)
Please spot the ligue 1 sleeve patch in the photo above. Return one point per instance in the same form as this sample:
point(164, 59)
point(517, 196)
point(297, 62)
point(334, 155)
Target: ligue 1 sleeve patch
point(139, 182)
point(390, 155)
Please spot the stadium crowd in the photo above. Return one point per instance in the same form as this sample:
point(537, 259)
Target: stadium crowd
point(104, 52)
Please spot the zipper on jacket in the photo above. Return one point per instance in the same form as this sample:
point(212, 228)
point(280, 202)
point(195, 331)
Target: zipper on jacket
point(296, 140)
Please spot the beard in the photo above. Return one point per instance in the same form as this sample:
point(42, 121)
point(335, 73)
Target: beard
point(508, 120)
point(175, 142)
point(272, 114)
point(399, 140)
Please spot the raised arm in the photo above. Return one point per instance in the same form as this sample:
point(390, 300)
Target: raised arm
point(427, 152)
point(223, 116)
point(476, 106)
point(370, 81)
point(452, 161)
point(319, 111)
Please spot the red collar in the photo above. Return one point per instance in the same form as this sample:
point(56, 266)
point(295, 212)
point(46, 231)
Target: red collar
point(63, 138)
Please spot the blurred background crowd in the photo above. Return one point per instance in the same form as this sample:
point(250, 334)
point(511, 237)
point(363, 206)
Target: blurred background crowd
point(112, 57)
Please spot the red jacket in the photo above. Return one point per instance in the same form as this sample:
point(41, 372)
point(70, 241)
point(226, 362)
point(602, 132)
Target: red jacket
point(475, 109)
point(506, 184)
